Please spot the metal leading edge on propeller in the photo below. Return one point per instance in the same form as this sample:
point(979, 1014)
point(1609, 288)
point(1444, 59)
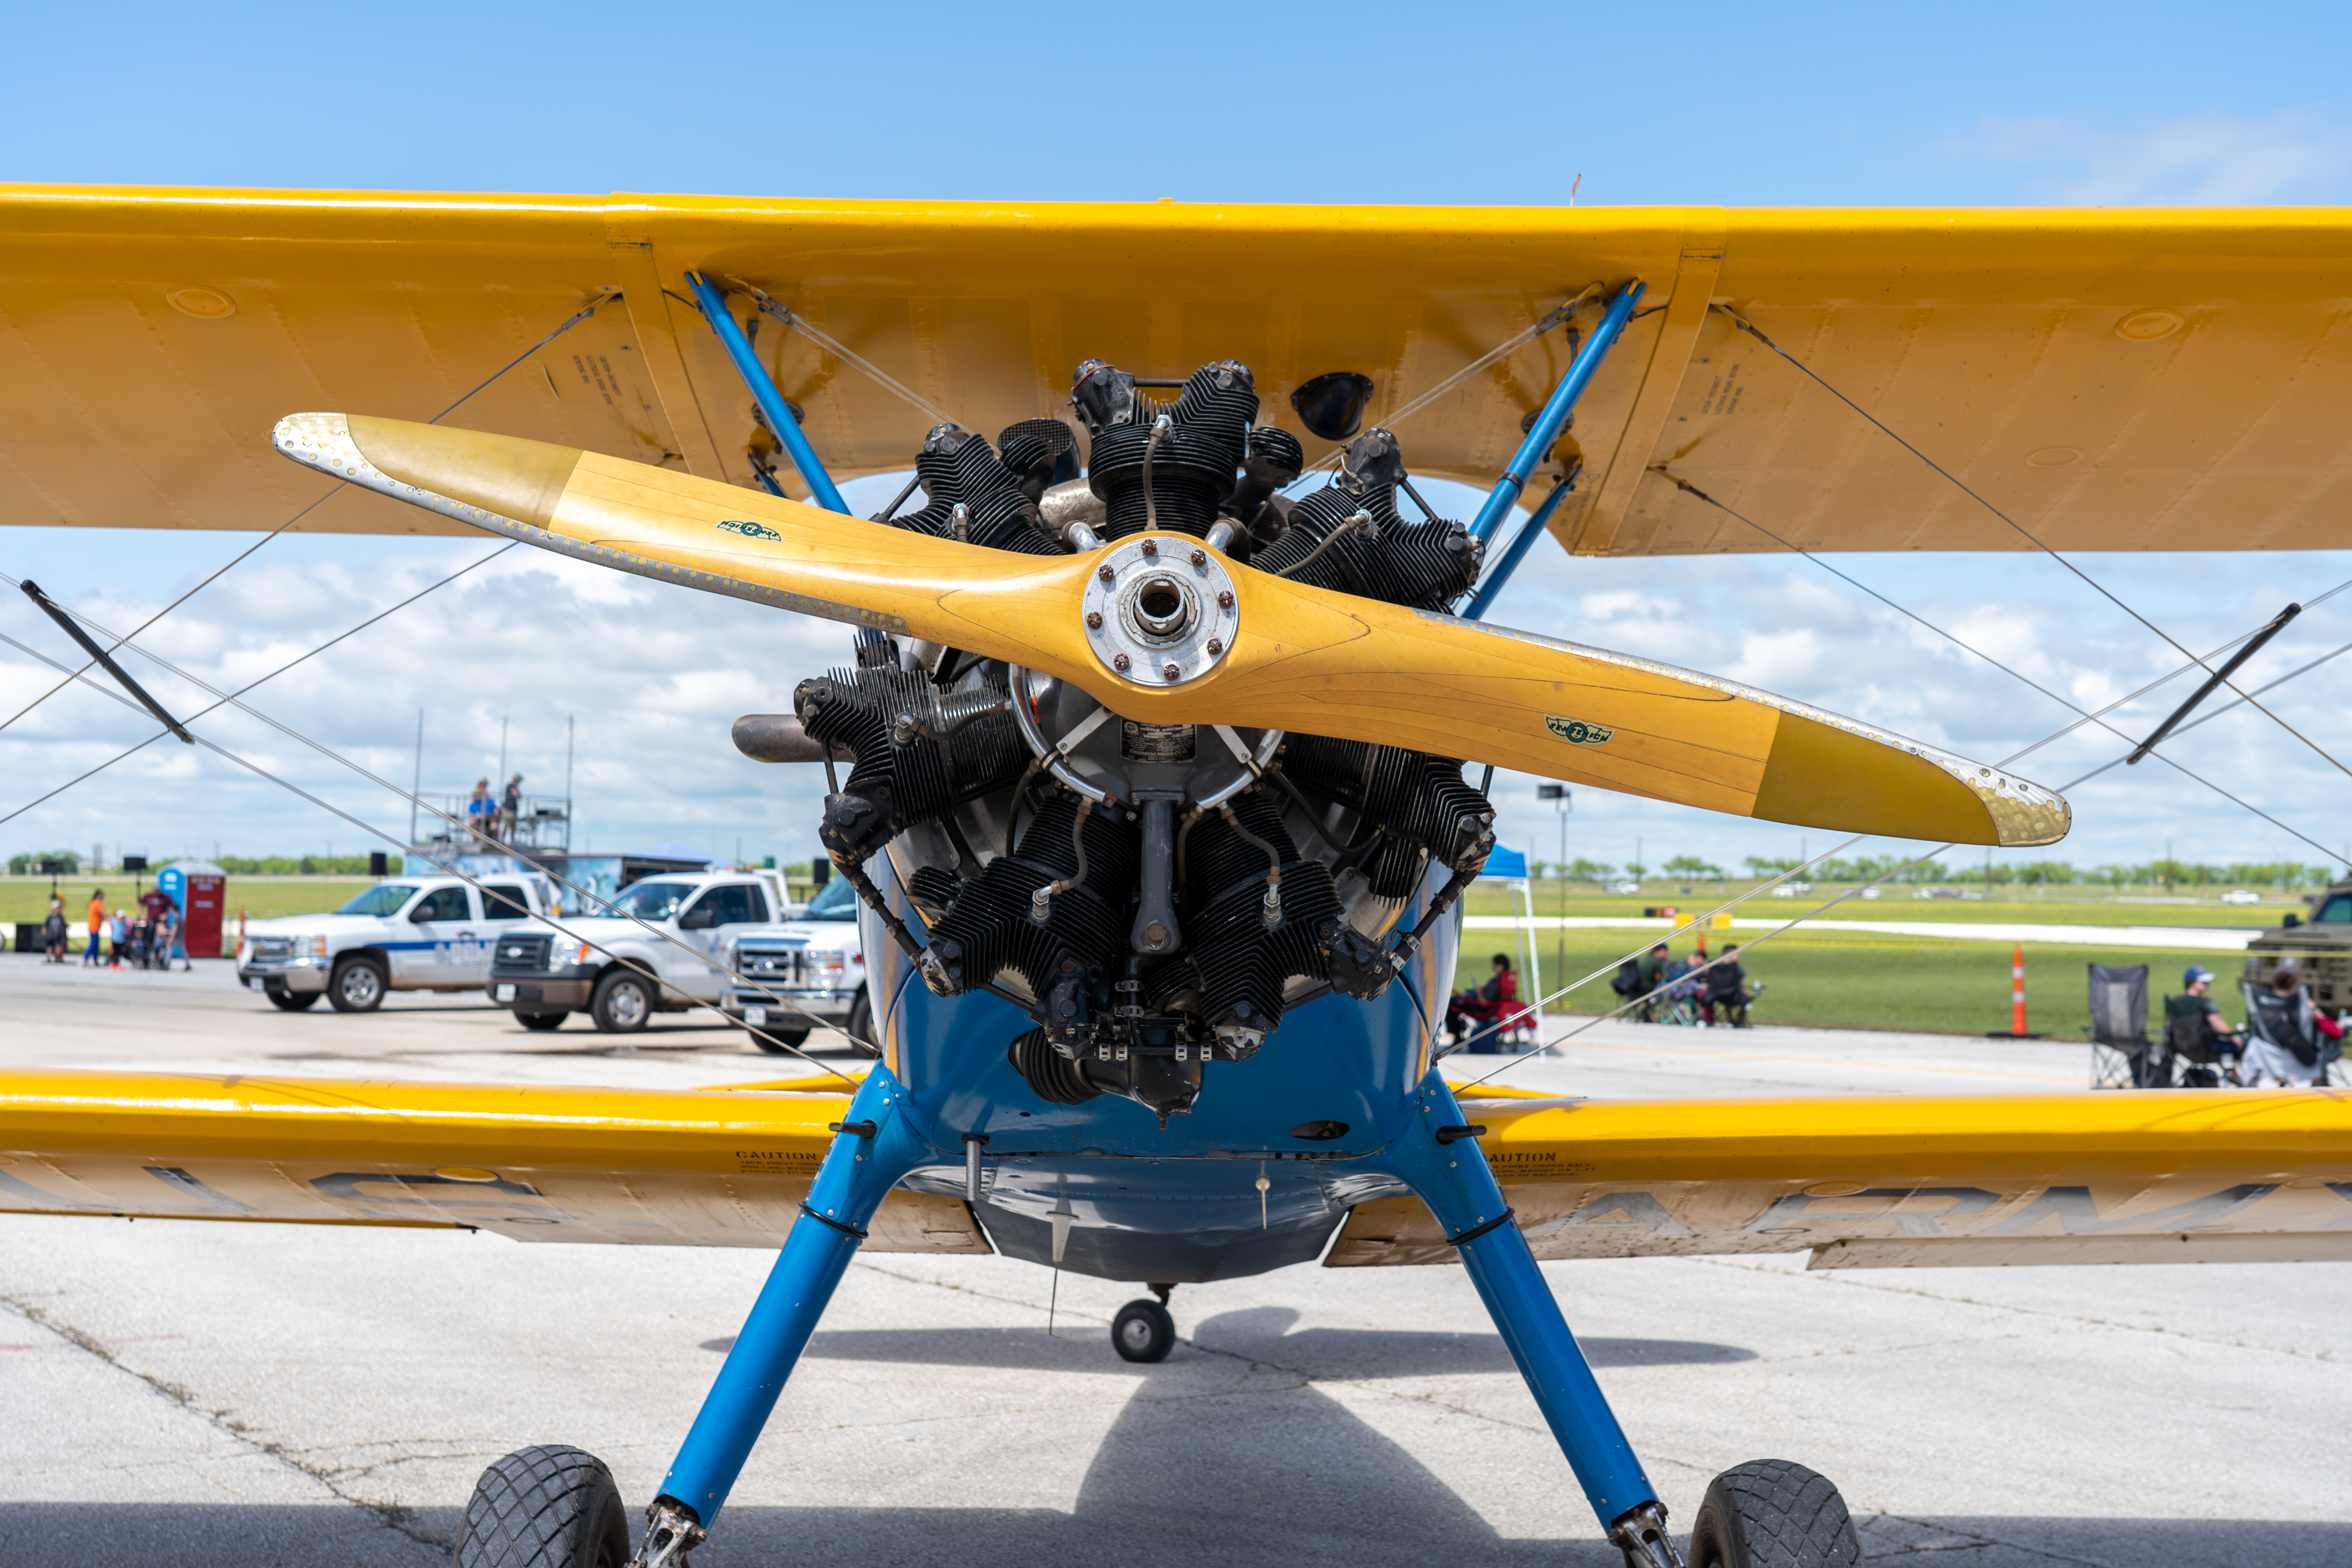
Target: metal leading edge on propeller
point(1242, 648)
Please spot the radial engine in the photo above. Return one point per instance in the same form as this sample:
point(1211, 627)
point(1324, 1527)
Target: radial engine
point(1156, 897)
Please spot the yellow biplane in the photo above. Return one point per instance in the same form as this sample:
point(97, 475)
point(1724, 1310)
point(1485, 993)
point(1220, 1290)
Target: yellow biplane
point(1159, 703)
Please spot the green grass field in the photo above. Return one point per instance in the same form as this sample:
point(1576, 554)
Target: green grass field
point(1852, 980)
point(260, 898)
point(2069, 905)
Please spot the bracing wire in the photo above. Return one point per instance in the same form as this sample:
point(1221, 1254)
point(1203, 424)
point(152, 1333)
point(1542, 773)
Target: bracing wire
point(577, 316)
point(2022, 531)
point(1814, 913)
point(249, 685)
point(2085, 718)
point(493, 845)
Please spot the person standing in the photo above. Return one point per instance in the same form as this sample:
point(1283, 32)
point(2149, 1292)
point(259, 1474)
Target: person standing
point(53, 932)
point(118, 931)
point(96, 951)
point(511, 809)
point(159, 910)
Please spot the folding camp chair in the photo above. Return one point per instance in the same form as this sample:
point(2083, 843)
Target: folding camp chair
point(2121, 1054)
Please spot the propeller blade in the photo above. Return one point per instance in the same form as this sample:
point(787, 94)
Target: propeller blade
point(1291, 657)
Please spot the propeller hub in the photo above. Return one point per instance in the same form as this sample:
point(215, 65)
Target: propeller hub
point(1157, 611)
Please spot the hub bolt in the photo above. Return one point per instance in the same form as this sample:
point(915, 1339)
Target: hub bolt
point(1118, 661)
point(1106, 573)
point(1200, 558)
point(1216, 647)
point(1094, 620)
point(1224, 600)
point(1151, 548)
point(1170, 671)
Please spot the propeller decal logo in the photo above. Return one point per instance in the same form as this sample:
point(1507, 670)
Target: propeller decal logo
point(1576, 731)
point(749, 530)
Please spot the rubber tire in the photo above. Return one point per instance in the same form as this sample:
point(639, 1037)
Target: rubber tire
point(623, 1018)
point(373, 997)
point(1773, 1513)
point(542, 1022)
point(291, 1001)
point(860, 1026)
point(1143, 1331)
point(776, 1042)
point(552, 1505)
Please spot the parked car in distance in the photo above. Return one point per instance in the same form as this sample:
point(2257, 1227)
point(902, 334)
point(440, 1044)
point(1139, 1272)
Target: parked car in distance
point(1870, 892)
point(406, 933)
point(662, 947)
point(1623, 888)
point(2241, 896)
point(793, 976)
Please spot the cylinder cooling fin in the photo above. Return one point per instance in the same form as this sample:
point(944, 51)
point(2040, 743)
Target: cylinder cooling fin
point(1168, 915)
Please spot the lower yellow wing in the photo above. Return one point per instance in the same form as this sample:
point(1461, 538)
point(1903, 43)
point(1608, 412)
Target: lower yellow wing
point(2184, 1176)
point(2162, 1177)
point(677, 1167)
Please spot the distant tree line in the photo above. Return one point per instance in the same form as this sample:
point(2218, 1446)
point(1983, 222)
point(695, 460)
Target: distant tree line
point(2171, 875)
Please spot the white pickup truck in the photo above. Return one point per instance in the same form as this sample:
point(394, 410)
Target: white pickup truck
point(409, 933)
point(607, 966)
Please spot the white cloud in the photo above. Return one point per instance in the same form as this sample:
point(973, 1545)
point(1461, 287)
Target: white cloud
point(653, 676)
point(2188, 160)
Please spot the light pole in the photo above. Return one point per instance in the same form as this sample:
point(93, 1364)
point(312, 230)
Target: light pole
point(1563, 805)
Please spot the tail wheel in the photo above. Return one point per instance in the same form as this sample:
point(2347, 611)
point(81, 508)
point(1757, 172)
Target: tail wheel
point(623, 1004)
point(358, 984)
point(1771, 1513)
point(1143, 1331)
point(549, 1507)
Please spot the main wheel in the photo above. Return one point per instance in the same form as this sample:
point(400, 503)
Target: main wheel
point(540, 1023)
point(860, 1025)
point(549, 1507)
point(622, 1002)
point(358, 984)
point(776, 1042)
point(1771, 1513)
point(1143, 1331)
point(291, 1001)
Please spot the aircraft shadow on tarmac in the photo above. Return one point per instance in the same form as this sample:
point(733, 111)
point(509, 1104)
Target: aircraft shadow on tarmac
point(1257, 1335)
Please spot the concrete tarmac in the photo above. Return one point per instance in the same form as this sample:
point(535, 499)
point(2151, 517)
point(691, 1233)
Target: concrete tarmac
point(202, 1394)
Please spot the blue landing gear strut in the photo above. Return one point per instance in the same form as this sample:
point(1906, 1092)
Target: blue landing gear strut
point(1440, 1159)
point(874, 1148)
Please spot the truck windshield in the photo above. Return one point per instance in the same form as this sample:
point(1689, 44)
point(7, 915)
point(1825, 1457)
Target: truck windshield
point(2337, 910)
point(836, 900)
point(383, 898)
point(654, 901)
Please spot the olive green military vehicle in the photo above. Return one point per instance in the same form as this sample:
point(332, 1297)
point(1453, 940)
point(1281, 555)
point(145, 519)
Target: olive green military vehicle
point(2319, 948)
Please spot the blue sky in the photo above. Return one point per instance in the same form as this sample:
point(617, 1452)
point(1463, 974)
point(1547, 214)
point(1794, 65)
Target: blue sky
point(1466, 103)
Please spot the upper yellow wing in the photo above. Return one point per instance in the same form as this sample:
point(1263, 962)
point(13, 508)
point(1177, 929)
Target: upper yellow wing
point(1860, 1181)
point(2145, 379)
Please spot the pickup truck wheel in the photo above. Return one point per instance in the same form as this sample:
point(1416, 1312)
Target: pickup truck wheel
point(622, 1002)
point(541, 1022)
point(358, 984)
point(292, 1001)
point(861, 1028)
point(776, 1042)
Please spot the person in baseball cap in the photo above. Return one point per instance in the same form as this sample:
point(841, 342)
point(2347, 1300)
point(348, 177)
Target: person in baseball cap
point(2199, 1035)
